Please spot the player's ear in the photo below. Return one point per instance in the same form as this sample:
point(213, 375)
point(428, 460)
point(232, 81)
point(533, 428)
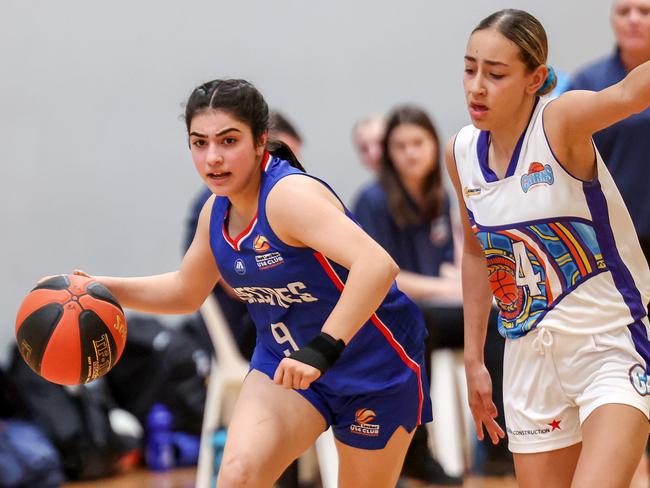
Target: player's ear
point(260, 145)
point(536, 78)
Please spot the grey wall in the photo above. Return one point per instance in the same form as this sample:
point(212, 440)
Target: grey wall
point(94, 170)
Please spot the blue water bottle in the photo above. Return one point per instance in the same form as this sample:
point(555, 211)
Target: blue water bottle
point(218, 444)
point(159, 452)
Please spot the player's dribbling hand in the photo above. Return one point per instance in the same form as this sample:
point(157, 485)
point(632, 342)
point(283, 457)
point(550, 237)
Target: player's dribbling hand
point(295, 374)
point(484, 411)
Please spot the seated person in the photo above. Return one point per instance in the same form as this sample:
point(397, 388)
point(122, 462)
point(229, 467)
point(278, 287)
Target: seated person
point(407, 210)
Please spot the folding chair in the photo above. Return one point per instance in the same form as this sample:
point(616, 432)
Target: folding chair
point(226, 377)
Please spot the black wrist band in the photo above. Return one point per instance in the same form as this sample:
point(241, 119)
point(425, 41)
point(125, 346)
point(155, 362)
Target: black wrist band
point(321, 352)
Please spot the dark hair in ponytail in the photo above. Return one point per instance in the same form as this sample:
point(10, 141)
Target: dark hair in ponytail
point(279, 149)
point(244, 102)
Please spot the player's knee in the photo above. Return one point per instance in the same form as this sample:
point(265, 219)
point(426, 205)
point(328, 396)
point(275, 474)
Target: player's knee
point(236, 471)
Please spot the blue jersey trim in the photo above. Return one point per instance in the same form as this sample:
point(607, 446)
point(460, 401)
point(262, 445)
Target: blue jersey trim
point(483, 146)
point(597, 204)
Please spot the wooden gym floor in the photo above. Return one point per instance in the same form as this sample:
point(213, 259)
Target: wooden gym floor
point(184, 478)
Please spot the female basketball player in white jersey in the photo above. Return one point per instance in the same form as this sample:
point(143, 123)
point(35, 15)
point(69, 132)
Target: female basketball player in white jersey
point(547, 233)
point(337, 344)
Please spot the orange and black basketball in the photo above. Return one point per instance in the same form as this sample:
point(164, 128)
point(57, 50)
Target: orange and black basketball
point(70, 329)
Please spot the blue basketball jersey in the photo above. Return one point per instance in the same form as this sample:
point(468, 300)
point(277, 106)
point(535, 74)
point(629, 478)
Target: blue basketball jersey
point(290, 291)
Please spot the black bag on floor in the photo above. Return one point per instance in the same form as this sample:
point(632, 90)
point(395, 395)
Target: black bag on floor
point(11, 402)
point(163, 365)
point(76, 420)
point(27, 457)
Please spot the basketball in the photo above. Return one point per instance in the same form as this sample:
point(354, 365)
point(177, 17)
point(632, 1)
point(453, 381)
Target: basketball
point(503, 285)
point(70, 329)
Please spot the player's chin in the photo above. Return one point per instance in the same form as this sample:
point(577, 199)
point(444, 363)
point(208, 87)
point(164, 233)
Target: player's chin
point(481, 123)
point(219, 189)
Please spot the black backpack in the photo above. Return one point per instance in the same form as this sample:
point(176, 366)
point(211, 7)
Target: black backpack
point(76, 420)
point(166, 365)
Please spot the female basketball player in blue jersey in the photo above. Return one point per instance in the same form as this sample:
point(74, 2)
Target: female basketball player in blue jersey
point(547, 229)
point(338, 345)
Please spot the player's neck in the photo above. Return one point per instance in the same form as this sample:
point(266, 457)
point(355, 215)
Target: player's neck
point(244, 203)
point(413, 187)
point(503, 139)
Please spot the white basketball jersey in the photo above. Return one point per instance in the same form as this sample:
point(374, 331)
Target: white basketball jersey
point(560, 252)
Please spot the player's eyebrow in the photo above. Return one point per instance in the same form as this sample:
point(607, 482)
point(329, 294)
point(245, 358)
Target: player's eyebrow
point(220, 133)
point(487, 61)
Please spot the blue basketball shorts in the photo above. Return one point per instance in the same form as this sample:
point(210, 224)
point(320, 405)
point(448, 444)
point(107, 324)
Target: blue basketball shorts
point(367, 420)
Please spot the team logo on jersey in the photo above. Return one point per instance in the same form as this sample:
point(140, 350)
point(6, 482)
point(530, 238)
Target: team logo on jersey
point(362, 423)
point(537, 430)
point(640, 379)
point(555, 425)
point(269, 260)
point(534, 430)
point(471, 192)
point(261, 244)
point(538, 174)
point(240, 267)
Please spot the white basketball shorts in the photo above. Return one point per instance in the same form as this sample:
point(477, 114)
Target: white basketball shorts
point(552, 381)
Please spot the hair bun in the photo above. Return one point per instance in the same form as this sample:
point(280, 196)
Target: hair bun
point(549, 83)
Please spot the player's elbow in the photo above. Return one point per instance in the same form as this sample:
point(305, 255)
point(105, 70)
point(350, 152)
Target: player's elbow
point(394, 269)
point(632, 99)
point(389, 268)
point(184, 303)
point(194, 303)
point(192, 307)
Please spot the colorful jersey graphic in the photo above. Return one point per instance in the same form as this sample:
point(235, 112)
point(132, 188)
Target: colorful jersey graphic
point(533, 267)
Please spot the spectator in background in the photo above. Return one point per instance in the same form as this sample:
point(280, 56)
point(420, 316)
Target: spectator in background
point(625, 146)
point(367, 136)
point(407, 211)
point(407, 208)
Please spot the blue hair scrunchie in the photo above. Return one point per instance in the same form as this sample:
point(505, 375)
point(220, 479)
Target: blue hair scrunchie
point(550, 79)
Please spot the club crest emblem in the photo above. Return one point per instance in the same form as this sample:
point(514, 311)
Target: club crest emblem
point(261, 244)
point(538, 174)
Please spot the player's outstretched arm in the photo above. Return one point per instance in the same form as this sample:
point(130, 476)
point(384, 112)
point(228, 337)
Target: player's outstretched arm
point(477, 300)
point(177, 292)
point(572, 118)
